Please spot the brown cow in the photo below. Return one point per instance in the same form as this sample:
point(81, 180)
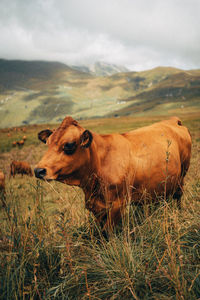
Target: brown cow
point(113, 168)
point(20, 143)
point(2, 182)
point(20, 167)
point(2, 188)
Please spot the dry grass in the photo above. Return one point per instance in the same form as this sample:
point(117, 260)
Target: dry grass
point(51, 248)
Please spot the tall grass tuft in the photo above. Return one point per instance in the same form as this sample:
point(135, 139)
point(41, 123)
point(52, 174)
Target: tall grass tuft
point(154, 254)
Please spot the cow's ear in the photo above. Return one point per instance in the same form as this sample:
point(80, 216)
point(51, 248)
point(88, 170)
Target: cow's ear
point(86, 139)
point(44, 134)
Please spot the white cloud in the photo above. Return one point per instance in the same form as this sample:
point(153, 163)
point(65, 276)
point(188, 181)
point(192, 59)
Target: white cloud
point(137, 33)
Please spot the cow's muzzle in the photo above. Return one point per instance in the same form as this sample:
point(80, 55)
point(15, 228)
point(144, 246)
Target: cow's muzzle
point(40, 173)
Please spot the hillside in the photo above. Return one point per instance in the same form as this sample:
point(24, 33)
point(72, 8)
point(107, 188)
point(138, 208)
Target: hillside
point(43, 92)
point(18, 74)
point(179, 90)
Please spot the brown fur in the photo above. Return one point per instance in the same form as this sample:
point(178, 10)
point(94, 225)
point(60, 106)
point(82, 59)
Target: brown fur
point(2, 181)
point(148, 162)
point(2, 189)
point(68, 121)
point(20, 143)
point(20, 167)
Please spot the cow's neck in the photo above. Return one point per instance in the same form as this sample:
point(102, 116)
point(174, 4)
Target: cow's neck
point(98, 150)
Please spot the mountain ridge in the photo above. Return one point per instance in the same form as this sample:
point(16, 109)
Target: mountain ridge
point(42, 92)
point(101, 68)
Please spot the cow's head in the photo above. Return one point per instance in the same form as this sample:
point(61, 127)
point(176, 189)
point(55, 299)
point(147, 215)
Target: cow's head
point(68, 152)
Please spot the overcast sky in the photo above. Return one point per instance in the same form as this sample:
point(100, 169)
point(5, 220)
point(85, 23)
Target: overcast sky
point(139, 34)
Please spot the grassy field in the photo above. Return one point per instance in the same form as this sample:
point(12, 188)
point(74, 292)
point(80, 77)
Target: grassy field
point(51, 248)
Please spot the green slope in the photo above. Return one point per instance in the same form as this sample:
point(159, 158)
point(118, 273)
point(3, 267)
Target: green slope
point(179, 90)
point(44, 92)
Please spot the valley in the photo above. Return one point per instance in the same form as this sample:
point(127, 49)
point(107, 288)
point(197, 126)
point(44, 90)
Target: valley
point(45, 92)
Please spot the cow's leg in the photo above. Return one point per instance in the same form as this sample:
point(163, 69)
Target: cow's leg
point(177, 196)
point(11, 172)
point(179, 192)
point(114, 214)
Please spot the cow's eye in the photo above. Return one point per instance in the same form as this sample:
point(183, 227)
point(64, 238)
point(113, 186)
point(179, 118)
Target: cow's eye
point(69, 148)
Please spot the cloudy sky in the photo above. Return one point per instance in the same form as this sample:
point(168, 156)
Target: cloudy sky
point(139, 34)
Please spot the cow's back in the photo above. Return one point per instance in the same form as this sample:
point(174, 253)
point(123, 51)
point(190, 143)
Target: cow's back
point(161, 150)
point(165, 134)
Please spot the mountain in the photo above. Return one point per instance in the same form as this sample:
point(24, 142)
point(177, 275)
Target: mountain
point(101, 69)
point(43, 92)
point(167, 89)
point(16, 74)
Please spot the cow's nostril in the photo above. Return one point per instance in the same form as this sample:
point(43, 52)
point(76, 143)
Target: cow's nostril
point(40, 173)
